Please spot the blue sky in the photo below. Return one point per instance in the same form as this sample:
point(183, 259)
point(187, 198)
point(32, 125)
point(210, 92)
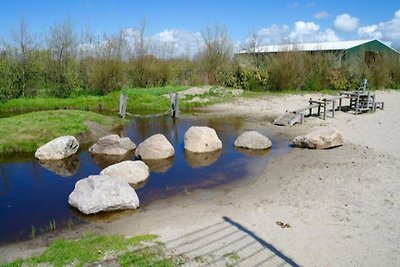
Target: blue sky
point(178, 21)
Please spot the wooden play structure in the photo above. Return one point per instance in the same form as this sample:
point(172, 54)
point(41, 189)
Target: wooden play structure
point(359, 101)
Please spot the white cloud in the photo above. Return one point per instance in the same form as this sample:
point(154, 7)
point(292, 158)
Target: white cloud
point(321, 15)
point(388, 31)
point(369, 32)
point(301, 32)
point(346, 23)
point(184, 42)
point(274, 34)
point(168, 43)
point(305, 28)
point(305, 32)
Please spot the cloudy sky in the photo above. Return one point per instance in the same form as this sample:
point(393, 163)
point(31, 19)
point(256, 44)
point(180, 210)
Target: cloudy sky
point(180, 22)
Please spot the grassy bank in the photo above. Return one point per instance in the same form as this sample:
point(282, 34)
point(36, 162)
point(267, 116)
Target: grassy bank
point(27, 132)
point(138, 99)
point(114, 250)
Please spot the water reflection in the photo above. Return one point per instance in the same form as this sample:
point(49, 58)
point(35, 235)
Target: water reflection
point(202, 159)
point(160, 165)
point(65, 167)
point(107, 160)
point(253, 152)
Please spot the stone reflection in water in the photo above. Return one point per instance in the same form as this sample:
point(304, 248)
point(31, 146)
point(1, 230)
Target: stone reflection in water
point(202, 159)
point(161, 165)
point(253, 152)
point(139, 185)
point(64, 167)
point(103, 216)
point(107, 160)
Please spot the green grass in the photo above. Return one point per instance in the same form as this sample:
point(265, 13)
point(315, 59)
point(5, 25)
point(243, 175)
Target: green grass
point(138, 99)
point(27, 132)
point(142, 250)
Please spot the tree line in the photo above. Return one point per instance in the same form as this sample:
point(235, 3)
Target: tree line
point(65, 65)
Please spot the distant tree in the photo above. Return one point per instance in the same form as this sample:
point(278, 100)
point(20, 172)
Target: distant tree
point(253, 42)
point(22, 49)
point(62, 44)
point(216, 53)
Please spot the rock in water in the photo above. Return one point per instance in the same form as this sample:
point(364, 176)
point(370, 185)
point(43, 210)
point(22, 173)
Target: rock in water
point(253, 140)
point(155, 147)
point(103, 193)
point(133, 172)
point(112, 145)
point(320, 138)
point(202, 139)
point(59, 148)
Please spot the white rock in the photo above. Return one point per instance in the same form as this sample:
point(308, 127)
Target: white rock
point(133, 172)
point(155, 147)
point(253, 140)
point(112, 145)
point(103, 193)
point(201, 139)
point(59, 148)
point(319, 138)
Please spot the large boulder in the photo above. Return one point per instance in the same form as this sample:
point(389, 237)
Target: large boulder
point(201, 139)
point(133, 172)
point(59, 148)
point(319, 138)
point(253, 140)
point(155, 147)
point(103, 193)
point(112, 145)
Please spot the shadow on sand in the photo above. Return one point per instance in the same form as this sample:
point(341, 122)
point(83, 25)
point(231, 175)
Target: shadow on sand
point(227, 243)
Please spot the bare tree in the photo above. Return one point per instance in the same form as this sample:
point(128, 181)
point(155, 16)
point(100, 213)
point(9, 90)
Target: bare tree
point(24, 45)
point(62, 41)
point(217, 51)
point(62, 44)
point(253, 42)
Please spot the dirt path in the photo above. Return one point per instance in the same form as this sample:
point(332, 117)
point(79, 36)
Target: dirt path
point(335, 207)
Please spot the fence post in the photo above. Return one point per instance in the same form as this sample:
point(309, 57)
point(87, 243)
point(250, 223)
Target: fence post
point(176, 105)
point(122, 105)
point(171, 99)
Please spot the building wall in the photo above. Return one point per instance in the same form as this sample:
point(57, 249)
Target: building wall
point(374, 46)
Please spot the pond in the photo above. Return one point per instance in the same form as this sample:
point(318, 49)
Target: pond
point(34, 195)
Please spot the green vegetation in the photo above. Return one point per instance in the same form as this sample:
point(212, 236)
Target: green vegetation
point(89, 73)
point(150, 99)
point(27, 132)
point(142, 250)
point(233, 256)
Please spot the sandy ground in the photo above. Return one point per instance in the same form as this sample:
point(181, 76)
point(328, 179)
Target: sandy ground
point(341, 206)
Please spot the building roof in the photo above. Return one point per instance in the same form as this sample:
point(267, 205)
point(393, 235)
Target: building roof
point(321, 46)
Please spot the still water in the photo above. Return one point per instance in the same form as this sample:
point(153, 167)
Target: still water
point(33, 194)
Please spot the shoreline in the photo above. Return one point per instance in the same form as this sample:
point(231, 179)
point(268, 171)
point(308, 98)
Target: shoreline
point(342, 204)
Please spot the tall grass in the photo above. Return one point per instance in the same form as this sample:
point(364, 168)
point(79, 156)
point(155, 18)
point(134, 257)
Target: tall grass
point(292, 70)
point(138, 99)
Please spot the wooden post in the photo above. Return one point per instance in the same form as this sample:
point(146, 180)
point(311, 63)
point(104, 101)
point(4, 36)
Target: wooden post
point(176, 105)
point(333, 109)
point(357, 103)
point(373, 103)
point(340, 103)
point(310, 110)
point(368, 100)
point(324, 109)
point(122, 105)
point(171, 99)
point(364, 85)
point(301, 118)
